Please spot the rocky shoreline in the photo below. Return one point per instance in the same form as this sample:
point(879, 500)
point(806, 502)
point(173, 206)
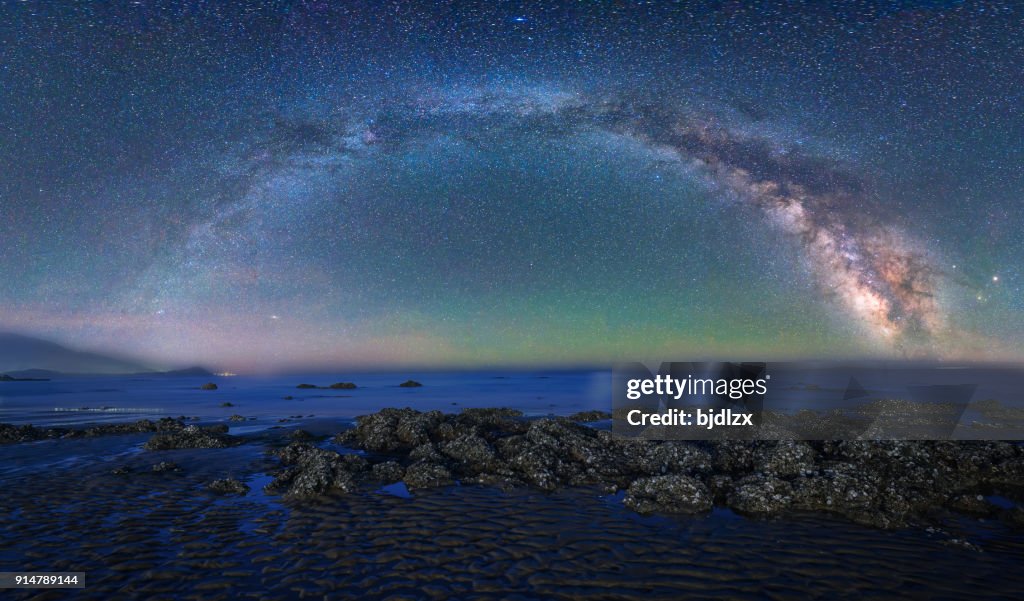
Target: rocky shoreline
point(884, 484)
point(10, 434)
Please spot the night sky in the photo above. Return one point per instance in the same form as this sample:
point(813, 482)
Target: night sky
point(284, 184)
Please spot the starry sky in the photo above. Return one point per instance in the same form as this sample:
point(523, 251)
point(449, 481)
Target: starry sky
point(273, 185)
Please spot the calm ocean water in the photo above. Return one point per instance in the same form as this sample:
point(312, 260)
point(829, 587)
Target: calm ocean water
point(72, 400)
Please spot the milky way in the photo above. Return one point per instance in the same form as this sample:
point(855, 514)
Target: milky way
point(875, 272)
point(293, 185)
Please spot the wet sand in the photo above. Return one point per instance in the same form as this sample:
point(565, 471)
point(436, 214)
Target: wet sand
point(164, 535)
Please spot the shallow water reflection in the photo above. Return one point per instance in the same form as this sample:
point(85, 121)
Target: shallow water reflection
point(162, 535)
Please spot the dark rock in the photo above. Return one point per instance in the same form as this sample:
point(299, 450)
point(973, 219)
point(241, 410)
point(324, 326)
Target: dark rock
point(734, 456)
point(426, 452)
point(192, 437)
point(10, 433)
point(837, 487)
point(668, 457)
point(1009, 473)
point(471, 452)
point(164, 424)
point(301, 436)
point(668, 494)
point(388, 472)
point(124, 470)
point(236, 418)
point(208, 386)
point(505, 420)
point(589, 416)
point(165, 466)
point(392, 430)
point(860, 495)
point(761, 495)
point(343, 386)
point(14, 434)
point(972, 504)
point(306, 386)
point(227, 404)
point(884, 484)
point(314, 471)
point(410, 384)
point(555, 452)
point(788, 458)
point(447, 431)
point(228, 486)
point(720, 486)
point(485, 414)
point(425, 474)
point(289, 398)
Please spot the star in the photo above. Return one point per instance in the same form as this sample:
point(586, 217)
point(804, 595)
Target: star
point(474, 183)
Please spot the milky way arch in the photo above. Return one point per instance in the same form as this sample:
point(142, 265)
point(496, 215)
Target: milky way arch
point(870, 268)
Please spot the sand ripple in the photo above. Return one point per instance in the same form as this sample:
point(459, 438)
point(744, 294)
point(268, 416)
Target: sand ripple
point(161, 536)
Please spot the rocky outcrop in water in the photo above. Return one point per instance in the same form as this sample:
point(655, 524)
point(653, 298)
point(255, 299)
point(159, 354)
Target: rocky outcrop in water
point(192, 437)
point(300, 435)
point(427, 474)
point(589, 416)
point(228, 486)
point(673, 493)
point(388, 472)
point(165, 466)
point(311, 471)
point(880, 483)
point(335, 386)
point(10, 433)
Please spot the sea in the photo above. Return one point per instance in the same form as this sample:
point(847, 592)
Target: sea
point(146, 535)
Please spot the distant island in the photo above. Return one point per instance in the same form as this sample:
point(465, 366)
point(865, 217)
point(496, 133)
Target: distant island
point(335, 386)
point(7, 378)
point(39, 375)
point(24, 358)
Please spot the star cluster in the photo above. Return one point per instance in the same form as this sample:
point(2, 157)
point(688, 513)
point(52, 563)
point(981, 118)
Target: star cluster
point(280, 184)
